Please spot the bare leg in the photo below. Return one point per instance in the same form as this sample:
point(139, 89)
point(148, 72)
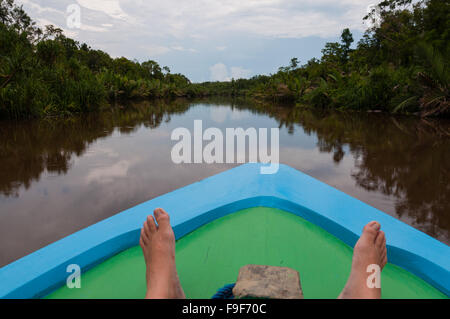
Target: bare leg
point(370, 249)
point(158, 244)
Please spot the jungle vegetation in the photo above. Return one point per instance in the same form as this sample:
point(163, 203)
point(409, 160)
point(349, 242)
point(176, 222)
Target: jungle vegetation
point(400, 65)
point(43, 72)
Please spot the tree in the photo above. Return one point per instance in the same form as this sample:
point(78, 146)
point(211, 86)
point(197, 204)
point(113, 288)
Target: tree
point(152, 69)
point(294, 63)
point(347, 40)
point(332, 53)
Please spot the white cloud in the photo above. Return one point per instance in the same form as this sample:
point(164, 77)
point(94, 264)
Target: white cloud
point(109, 7)
point(201, 19)
point(38, 8)
point(108, 174)
point(181, 48)
point(274, 18)
point(155, 50)
point(42, 22)
point(219, 72)
point(86, 27)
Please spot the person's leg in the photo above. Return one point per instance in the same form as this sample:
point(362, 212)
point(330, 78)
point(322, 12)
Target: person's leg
point(158, 244)
point(370, 249)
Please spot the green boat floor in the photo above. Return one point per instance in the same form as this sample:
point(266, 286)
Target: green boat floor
point(211, 256)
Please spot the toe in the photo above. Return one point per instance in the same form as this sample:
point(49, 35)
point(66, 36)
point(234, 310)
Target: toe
point(381, 239)
point(370, 231)
point(143, 240)
point(162, 218)
point(374, 224)
point(151, 225)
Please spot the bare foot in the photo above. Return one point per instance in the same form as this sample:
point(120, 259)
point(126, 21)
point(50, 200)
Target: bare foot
point(370, 249)
point(158, 244)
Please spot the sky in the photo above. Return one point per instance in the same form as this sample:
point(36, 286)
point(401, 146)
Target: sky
point(206, 40)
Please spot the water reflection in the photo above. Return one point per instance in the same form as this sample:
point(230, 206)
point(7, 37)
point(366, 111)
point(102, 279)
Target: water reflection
point(58, 176)
point(31, 148)
point(404, 158)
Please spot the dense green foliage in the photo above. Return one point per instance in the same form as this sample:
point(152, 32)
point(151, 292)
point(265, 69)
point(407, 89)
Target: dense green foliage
point(401, 65)
point(42, 72)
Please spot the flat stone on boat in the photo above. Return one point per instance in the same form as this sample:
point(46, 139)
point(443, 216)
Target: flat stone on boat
point(268, 282)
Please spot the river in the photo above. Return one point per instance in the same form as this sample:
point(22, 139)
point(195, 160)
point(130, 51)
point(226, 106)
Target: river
point(58, 176)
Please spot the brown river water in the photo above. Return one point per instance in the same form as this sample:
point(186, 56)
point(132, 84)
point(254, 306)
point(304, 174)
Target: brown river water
point(58, 176)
